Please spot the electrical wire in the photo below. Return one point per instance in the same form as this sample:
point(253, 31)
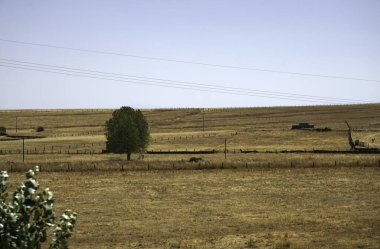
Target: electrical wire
point(189, 62)
point(168, 83)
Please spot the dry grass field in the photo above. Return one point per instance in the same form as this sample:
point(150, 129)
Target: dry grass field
point(261, 129)
point(258, 208)
point(258, 200)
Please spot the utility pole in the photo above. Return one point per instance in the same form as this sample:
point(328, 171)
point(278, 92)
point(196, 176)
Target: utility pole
point(23, 150)
point(225, 147)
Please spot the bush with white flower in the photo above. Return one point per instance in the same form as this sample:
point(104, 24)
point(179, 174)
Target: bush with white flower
point(27, 214)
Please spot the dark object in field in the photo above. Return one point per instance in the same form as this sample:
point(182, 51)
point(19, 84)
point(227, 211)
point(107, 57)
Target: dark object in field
point(360, 143)
point(25, 136)
point(302, 126)
point(40, 129)
point(195, 159)
point(3, 131)
point(248, 151)
point(357, 150)
point(182, 152)
point(323, 129)
point(105, 151)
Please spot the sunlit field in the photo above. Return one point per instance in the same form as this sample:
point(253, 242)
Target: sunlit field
point(266, 199)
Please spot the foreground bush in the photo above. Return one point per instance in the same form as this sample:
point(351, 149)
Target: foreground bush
point(25, 217)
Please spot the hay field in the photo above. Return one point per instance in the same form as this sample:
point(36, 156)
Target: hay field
point(261, 129)
point(323, 201)
point(258, 208)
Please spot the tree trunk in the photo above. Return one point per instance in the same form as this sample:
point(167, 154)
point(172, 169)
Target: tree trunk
point(129, 156)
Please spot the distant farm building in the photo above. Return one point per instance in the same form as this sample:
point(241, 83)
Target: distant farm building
point(303, 126)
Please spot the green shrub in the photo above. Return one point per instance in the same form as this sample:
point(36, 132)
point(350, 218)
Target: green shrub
point(3, 130)
point(26, 216)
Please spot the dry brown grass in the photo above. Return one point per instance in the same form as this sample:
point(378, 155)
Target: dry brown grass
point(258, 208)
point(258, 202)
point(259, 129)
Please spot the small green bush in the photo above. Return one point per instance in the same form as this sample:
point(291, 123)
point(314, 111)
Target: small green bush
point(26, 216)
point(3, 130)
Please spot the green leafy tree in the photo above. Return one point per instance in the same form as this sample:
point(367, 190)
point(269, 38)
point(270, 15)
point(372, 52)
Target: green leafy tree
point(3, 130)
point(127, 131)
point(26, 216)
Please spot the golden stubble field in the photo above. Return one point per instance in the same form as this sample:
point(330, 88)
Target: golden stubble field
point(258, 208)
point(258, 202)
point(71, 133)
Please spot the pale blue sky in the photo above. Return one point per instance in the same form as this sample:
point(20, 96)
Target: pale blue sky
point(329, 37)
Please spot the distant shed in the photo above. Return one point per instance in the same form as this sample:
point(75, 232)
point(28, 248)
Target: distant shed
point(303, 126)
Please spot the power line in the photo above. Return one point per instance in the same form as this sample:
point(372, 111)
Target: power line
point(164, 82)
point(185, 82)
point(156, 83)
point(171, 86)
point(189, 62)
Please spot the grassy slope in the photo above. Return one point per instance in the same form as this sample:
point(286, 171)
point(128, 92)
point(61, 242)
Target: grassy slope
point(315, 208)
point(245, 128)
